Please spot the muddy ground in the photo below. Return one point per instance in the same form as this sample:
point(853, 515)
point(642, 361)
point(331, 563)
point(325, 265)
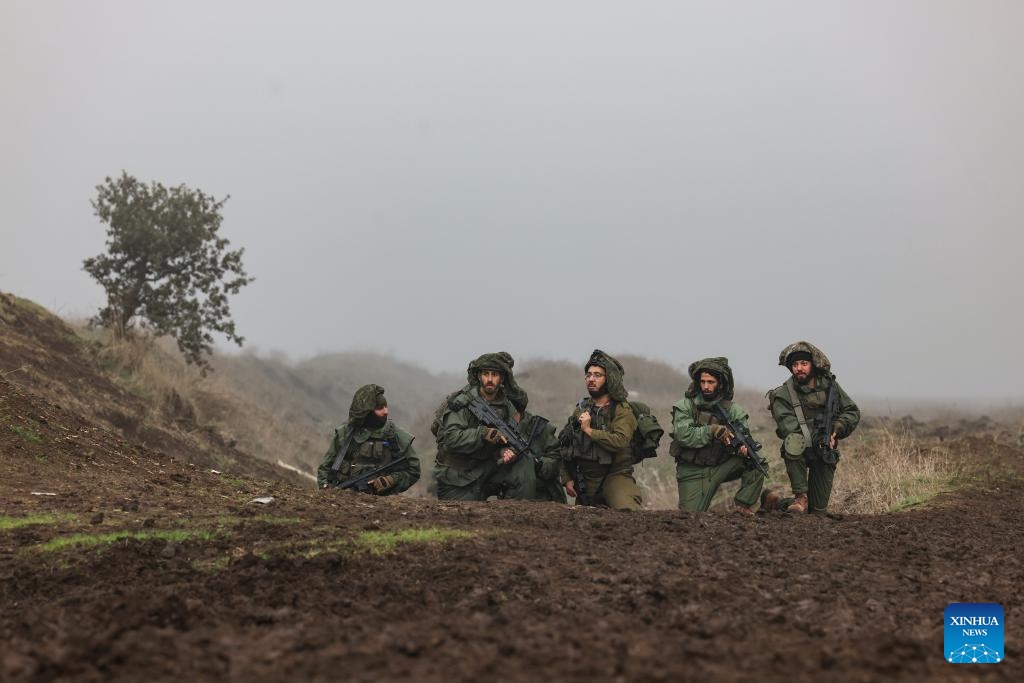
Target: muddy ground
point(295, 590)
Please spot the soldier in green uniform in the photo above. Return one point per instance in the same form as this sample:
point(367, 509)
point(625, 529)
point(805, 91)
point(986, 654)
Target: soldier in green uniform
point(548, 458)
point(473, 460)
point(799, 407)
point(370, 440)
point(597, 453)
point(702, 444)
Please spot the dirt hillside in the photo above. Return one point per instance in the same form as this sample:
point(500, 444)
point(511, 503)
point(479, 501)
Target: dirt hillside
point(121, 560)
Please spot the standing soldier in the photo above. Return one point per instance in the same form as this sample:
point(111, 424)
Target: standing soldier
point(474, 461)
point(598, 439)
point(812, 412)
point(702, 444)
point(370, 440)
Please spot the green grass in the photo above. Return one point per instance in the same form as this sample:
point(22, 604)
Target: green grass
point(18, 522)
point(96, 540)
point(26, 433)
point(379, 542)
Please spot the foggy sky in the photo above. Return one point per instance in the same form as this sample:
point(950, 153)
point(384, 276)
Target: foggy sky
point(441, 179)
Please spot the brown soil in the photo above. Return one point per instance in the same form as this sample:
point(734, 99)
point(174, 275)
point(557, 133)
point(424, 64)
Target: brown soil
point(285, 591)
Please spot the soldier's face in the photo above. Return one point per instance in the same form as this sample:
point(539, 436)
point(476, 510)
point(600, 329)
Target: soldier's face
point(381, 412)
point(708, 385)
point(801, 370)
point(595, 380)
point(490, 382)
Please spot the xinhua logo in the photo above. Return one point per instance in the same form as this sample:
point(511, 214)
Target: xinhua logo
point(974, 633)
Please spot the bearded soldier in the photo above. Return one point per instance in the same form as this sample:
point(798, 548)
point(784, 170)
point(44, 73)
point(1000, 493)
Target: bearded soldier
point(368, 441)
point(474, 460)
point(812, 413)
point(702, 444)
point(597, 441)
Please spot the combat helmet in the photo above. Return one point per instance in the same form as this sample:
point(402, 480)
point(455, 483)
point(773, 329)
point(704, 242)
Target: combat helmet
point(613, 371)
point(818, 358)
point(719, 367)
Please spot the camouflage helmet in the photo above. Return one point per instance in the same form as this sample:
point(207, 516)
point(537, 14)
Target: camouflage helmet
point(613, 371)
point(502, 362)
point(367, 398)
point(719, 367)
point(818, 359)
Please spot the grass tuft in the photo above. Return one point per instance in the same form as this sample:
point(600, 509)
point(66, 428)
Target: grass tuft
point(379, 542)
point(95, 540)
point(7, 523)
point(26, 433)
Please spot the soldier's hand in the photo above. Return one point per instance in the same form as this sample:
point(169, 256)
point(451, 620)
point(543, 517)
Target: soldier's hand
point(585, 421)
point(720, 433)
point(492, 435)
point(570, 488)
point(743, 451)
point(382, 484)
point(832, 441)
point(507, 456)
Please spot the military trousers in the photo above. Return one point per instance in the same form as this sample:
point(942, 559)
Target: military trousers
point(516, 480)
point(810, 474)
point(698, 484)
point(612, 485)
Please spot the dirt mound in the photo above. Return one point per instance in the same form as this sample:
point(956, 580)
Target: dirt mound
point(40, 352)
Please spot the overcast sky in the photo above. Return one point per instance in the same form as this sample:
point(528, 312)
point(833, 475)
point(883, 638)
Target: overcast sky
point(439, 179)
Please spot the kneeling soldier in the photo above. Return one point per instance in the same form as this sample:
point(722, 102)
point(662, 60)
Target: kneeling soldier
point(703, 446)
point(368, 441)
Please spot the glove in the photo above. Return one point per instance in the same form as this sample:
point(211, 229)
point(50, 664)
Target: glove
point(382, 484)
point(720, 433)
point(492, 435)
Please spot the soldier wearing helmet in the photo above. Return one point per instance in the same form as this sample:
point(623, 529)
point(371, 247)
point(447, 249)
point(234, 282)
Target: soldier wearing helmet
point(703, 446)
point(801, 410)
point(597, 441)
point(473, 460)
point(368, 441)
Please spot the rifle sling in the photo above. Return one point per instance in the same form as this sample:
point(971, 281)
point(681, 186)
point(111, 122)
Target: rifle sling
point(798, 408)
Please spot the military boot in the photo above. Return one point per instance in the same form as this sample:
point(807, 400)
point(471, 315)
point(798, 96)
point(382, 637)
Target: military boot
point(770, 500)
point(743, 510)
point(799, 504)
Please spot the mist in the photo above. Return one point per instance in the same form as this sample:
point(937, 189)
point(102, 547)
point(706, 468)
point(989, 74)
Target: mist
point(438, 180)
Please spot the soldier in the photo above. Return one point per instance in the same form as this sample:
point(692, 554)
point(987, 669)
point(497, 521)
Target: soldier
point(800, 409)
point(597, 441)
point(547, 464)
point(473, 460)
point(370, 440)
point(702, 444)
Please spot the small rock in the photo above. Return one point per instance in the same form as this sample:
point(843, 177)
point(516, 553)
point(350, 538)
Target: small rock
point(97, 518)
point(263, 500)
point(169, 551)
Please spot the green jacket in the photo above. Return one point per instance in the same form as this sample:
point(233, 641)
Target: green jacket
point(368, 450)
point(813, 401)
point(611, 434)
point(462, 454)
point(691, 431)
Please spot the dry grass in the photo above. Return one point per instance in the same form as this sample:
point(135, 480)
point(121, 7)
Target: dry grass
point(885, 471)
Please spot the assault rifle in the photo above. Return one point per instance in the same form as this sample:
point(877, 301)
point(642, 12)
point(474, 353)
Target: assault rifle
point(483, 412)
point(362, 482)
point(828, 454)
point(568, 440)
point(743, 438)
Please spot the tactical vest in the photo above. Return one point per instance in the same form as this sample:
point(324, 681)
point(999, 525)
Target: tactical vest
point(371, 454)
point(464, 460)
point(585, 448)
point(711, 455)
